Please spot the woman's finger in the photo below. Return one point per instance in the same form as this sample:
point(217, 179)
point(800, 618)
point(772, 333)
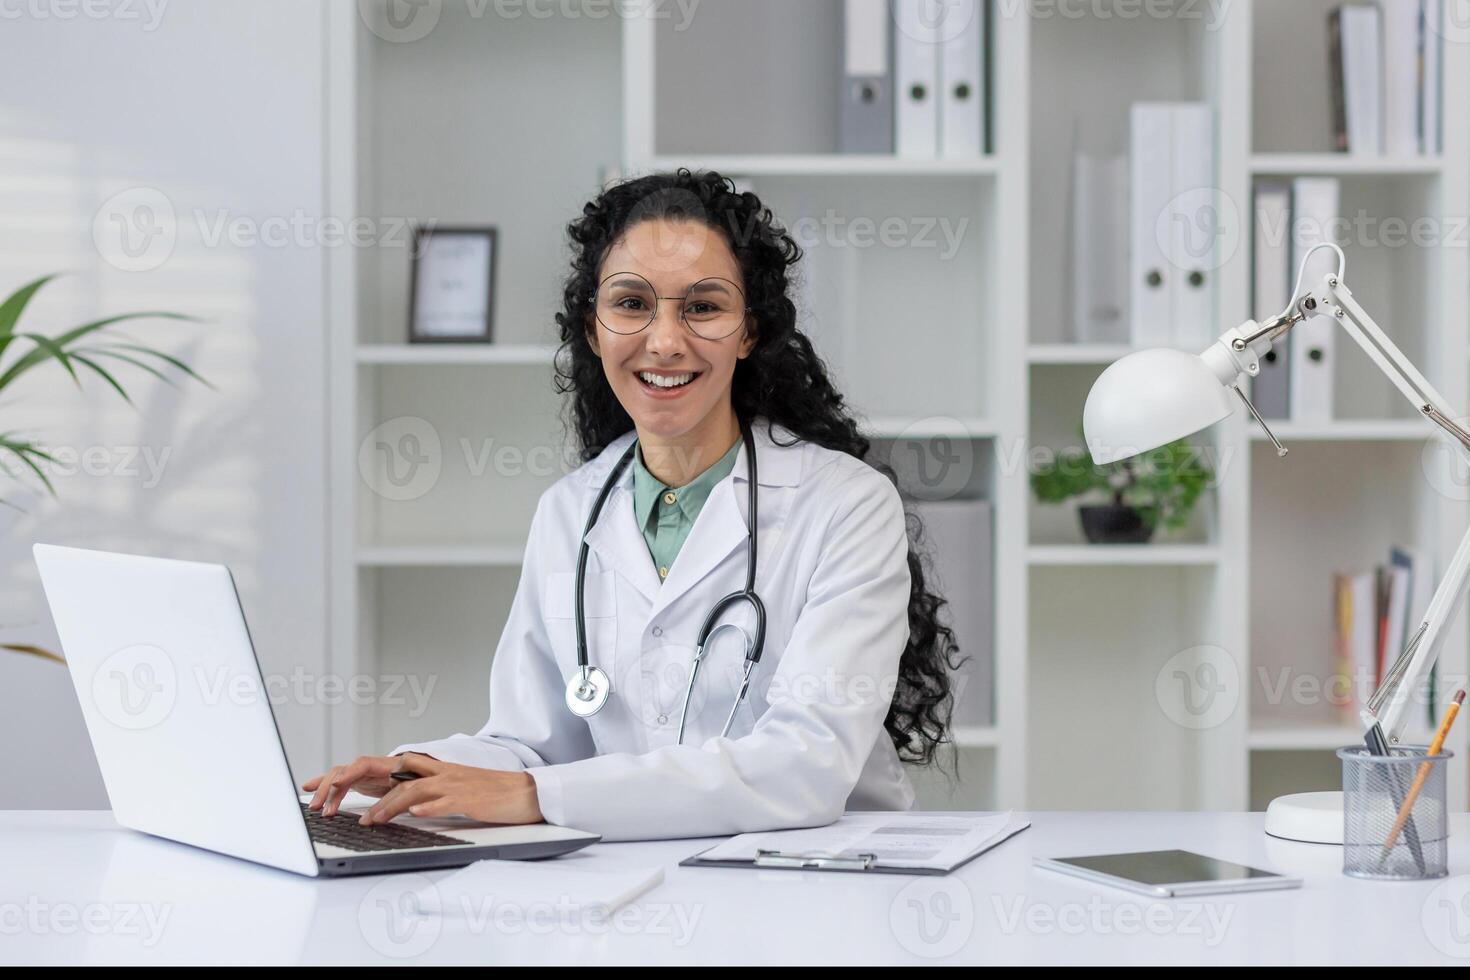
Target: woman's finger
point(343, 784)
point(438, 806)
point(398, 800)
point(324, 786)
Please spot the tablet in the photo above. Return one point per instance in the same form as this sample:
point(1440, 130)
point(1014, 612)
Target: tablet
point(1169, 874)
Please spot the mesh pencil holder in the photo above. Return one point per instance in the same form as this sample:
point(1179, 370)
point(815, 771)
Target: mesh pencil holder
point(1374, 789)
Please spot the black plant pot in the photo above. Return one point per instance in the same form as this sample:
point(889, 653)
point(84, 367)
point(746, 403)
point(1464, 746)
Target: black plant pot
point(1113, 524)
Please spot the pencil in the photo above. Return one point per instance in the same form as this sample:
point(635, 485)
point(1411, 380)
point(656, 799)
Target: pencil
point(1434, 747)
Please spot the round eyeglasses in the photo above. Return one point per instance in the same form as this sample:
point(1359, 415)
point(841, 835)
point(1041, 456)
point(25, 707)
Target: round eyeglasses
point(712, 308)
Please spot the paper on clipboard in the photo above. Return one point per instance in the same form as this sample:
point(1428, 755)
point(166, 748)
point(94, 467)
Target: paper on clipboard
point(926, 841)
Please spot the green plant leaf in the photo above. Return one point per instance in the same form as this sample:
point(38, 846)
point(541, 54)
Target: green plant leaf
point(35, 357)
point(1163, 485)
point(1071, 474)
point(14, 304)
point(140, 365)
point(48, 348)
point(24, 451)
point(167, 358)
point(13, 440)
point(74, 333)
point(66, 351)
point(82, 359)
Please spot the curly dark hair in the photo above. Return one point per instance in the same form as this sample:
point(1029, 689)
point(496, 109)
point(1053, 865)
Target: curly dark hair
point(782, 380)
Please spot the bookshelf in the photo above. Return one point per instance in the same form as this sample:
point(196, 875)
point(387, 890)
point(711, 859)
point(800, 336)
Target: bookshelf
point(970, 348)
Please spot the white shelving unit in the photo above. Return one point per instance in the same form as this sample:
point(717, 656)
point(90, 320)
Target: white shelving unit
point(970, 349)
point(1102, 354)
point(520, 355)
point(486, 120)
point(1341, 164)
point(443, 556)
point(826, 165)
point(1075, 556)
point(1347, 430)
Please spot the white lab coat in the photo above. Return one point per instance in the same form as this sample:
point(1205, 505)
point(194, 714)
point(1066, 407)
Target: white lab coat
point(808, 741)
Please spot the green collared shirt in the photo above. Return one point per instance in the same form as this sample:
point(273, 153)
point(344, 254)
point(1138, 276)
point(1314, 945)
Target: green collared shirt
point(666, 514)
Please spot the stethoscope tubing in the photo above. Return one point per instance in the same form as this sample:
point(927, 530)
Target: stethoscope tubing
point(584, 678)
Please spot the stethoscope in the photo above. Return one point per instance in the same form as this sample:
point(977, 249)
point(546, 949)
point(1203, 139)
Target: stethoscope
point(589, 687)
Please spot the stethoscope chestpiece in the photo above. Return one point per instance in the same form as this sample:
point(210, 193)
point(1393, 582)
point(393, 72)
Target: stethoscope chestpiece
point(587, 691)
point(588, 688)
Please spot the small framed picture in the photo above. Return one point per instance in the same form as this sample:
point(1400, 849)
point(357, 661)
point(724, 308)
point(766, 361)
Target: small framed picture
point(452, 293)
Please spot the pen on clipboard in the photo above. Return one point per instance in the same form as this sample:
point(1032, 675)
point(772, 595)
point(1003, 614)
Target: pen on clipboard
point(1413, 794)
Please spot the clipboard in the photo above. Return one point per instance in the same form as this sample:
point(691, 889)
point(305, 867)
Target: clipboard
point(850, 863)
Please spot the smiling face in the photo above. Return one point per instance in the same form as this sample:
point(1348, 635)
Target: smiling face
point(674, 383)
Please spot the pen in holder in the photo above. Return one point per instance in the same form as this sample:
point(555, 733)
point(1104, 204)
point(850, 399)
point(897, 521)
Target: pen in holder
point(1386, 796)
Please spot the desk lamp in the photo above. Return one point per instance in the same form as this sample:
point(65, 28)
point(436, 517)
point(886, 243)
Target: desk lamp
point(1149, 398)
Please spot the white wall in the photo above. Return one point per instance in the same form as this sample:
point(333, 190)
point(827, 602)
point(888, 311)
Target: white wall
point(216, 105)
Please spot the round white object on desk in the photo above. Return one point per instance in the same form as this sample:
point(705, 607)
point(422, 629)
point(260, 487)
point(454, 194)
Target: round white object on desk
point(1314, 818)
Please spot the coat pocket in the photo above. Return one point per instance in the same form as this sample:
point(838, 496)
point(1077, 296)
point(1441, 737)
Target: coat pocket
point(599, 595)
point(600, 602)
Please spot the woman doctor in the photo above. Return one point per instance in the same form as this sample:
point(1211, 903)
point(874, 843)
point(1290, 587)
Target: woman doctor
point(681, 336)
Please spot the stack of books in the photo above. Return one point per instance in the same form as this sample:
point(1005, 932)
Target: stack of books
point(1376, 615)
point(1385, 60)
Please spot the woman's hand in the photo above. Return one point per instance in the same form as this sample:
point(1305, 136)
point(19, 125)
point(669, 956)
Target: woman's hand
point(442, 789)
point(369, 775)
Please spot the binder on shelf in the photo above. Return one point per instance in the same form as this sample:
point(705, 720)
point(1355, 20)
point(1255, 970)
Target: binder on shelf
point(958, 533)
point(987, 62)
point(1173, 230)
point(865, 117)
point(1194, 225)
point(1431, 54)
point(1336, 81)
point(1314, 207)
point(1416, 565)
point(1421, 584)
point(1356, 59)
point(963, 97)
point(1099, 249)
point(1401, 82)
point(916, 44)
point(1395, 616)
point(1271, 291)
point(1149, 274)
point(1365, 635)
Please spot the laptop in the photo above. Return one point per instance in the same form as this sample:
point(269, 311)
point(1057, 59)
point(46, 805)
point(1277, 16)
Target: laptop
point(181, 720)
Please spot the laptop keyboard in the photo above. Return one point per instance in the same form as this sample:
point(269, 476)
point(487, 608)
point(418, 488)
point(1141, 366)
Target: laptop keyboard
point(344, 831)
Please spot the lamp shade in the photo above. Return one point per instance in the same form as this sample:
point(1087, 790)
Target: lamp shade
point(1149, 398)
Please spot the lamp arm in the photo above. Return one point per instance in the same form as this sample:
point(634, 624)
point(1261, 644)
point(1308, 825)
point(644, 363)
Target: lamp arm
point(1251, 341)
point(1390, 703)
point(1241, 349)
point(1390, 360)
point(1246, 344)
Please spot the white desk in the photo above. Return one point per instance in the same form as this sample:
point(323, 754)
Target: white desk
point(74, 888)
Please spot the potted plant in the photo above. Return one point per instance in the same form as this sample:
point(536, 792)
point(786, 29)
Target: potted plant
point(92, 348)
point(1136, 496)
